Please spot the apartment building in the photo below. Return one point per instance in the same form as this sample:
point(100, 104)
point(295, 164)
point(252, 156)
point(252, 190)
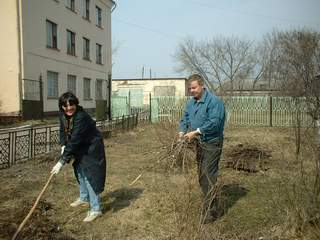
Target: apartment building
point(57, 44)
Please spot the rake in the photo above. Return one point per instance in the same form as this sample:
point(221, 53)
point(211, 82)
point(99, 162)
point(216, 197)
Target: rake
point(33, 208)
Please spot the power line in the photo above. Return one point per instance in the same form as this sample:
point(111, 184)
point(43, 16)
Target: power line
point(250, 14)
point(149, 29)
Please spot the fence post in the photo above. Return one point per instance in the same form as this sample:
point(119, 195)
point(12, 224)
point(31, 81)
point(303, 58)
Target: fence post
point(128, 122)
point(137, 119)
point(32, 142)
point(41, 97)
point(129, 103)
point(150, 108)
point(122, 122)
point(270, 110)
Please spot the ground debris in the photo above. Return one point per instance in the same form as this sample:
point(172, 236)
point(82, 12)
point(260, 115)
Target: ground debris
point(247, 157)
point(39, 226)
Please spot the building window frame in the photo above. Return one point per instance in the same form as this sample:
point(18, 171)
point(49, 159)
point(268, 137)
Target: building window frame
point(52, 34)
point(98, 17)
point(99, 89)
point(86, 88)
point(86, 48)
point(52, 84)
point(72, 83)
point(99, 54)
point(86, 9)
point(70, 4)
point(71, 43)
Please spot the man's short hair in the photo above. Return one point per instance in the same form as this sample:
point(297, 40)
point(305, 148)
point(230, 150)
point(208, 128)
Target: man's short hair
point(196, 77)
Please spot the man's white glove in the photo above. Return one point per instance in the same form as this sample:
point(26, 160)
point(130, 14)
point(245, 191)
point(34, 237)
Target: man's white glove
point(56, 169)
point(62, 149)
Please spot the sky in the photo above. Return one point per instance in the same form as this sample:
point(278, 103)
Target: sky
point(146, 33)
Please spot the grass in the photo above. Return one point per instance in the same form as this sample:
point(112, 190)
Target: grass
point(164, 203)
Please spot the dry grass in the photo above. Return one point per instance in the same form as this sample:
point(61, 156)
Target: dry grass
point(165, 203)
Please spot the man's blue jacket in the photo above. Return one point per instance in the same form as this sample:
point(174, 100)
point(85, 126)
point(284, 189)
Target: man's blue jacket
point(207, 115)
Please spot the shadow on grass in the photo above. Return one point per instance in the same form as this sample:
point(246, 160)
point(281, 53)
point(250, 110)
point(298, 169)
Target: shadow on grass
point(121, 198)
point(229, 195)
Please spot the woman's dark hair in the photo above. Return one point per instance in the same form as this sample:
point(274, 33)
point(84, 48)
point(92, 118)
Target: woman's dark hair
point(68, 97)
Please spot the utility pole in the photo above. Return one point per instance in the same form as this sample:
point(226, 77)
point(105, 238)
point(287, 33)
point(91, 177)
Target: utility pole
point(142, 73)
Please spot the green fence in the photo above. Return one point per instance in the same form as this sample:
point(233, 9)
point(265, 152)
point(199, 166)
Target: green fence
point(119, 106)
point(240, 110)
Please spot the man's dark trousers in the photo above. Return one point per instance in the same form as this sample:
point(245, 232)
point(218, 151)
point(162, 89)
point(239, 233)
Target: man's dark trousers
point(208, 158)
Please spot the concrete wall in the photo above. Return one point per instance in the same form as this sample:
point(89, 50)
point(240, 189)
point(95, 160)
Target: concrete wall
point(9, 59)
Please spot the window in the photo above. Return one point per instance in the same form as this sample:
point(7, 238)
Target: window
point(70, 4)
point(86, 9)
point(98, 53)
point(72, 84)
point(71, 43)
point(86, 48)
point(98, 16)
point(86, 88)
point(99, 89)
point(52, 84)
point(51, 34)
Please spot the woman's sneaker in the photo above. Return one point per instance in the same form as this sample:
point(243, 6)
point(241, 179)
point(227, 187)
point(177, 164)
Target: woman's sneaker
point(78, 203)
point(92, 215)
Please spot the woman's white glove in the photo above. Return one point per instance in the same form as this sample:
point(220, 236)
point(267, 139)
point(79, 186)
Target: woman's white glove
point(56, 169)
point(62, 149)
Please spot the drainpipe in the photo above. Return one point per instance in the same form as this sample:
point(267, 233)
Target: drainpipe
point(19, 22)
point(110, 75)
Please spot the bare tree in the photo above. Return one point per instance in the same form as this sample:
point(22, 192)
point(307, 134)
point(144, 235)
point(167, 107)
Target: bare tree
point(266, 57)
point(298, 67)
point(189, 57)
point(223, 62)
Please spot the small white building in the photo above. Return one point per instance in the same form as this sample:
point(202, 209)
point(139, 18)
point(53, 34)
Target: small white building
point(66, 43)
point(141, 89)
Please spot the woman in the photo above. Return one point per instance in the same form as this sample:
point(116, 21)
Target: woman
point(81, 140)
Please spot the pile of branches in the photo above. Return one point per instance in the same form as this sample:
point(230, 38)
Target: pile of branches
point(248, 158)
point(174, 153)
point(179, 155)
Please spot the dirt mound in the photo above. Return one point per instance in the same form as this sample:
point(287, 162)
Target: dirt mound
point(250, 158)
point(39, 226)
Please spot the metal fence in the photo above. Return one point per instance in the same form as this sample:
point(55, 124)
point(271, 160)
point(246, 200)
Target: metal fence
point(20, 144)
point(241, 111)
point(24, 143)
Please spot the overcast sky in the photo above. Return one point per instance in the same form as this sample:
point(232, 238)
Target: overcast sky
point(149, 31)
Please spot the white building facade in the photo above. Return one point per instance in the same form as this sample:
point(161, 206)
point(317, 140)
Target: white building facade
point(65, 43)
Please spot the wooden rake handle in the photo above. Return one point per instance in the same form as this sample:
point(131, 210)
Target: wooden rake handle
point(33, 208)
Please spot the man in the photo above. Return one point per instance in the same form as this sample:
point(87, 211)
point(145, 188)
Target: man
point(204, 120)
